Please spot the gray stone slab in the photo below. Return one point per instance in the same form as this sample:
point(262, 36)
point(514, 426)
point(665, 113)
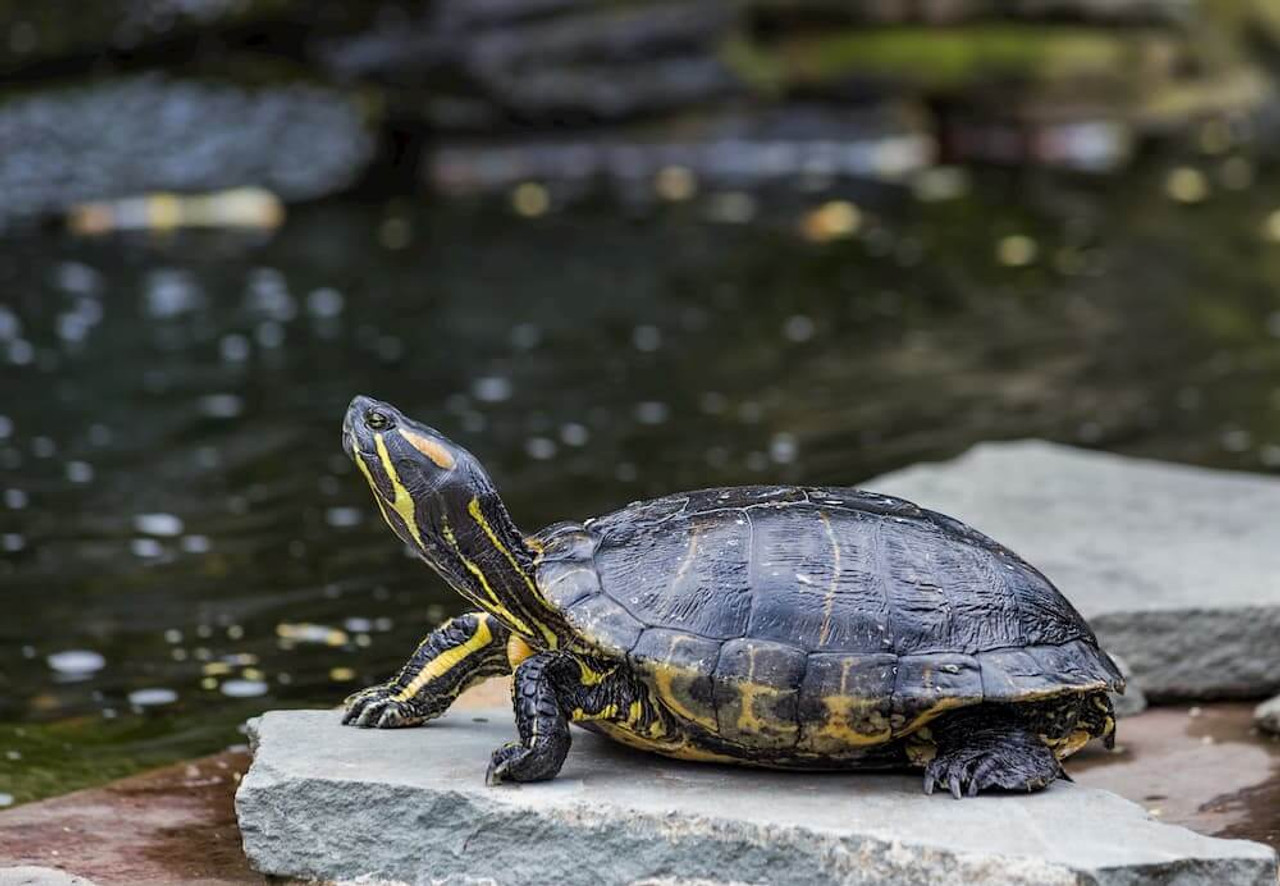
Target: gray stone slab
point(326, 801)
point(1175, 567)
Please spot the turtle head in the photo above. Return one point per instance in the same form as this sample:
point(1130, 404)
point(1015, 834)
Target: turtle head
point(399, 456)
point(415, 472)
point(440, 501)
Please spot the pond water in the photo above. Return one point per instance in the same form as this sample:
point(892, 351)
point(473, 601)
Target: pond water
point(184, 544)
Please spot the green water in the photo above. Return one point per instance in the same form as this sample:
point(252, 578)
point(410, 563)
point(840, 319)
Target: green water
point(175, 499)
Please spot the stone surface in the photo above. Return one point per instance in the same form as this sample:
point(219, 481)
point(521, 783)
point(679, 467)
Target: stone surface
point(326, 801)
point(29, 875)
point(1267, 716)
point(118, 138)
point(1174, 566)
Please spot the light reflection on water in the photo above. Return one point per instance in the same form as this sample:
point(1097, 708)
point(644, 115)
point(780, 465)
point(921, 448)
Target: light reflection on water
point(176, 502)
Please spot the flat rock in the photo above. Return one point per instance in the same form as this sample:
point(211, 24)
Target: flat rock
point(1173, 566)
point(1267, 716)
point(325, 801)
point(30, 875)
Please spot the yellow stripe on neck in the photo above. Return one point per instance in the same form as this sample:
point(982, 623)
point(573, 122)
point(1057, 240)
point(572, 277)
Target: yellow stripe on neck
point(494, 603)
point(403, 503)
point(473, 508)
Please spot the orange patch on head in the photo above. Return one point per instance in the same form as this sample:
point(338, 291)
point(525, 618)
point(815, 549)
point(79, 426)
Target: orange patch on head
point(430, 448)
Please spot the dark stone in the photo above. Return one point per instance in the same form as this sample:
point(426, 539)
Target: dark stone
point(151, 133)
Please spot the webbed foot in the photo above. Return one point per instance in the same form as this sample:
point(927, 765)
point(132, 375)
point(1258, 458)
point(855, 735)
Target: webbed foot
point(1005, 758)
point(379, 707)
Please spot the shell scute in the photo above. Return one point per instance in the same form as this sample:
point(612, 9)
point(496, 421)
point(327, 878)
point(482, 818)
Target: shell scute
point(845, 701)
point(757, 692)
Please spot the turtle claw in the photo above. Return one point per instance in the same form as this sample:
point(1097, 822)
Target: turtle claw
point(378, 707)
point(1019, 765)
point(500, 763)
point(513, 762)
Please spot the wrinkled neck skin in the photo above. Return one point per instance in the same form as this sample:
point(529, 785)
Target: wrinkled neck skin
point(467, 536)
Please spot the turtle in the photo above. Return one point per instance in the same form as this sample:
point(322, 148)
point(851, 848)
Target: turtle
point(789, 627)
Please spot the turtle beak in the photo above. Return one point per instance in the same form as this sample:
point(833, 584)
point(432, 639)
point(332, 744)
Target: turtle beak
point(356, 437)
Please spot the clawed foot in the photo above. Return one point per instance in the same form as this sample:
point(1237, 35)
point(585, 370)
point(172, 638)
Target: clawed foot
point(1016, 766)
point(379, 708)
point(513, 762)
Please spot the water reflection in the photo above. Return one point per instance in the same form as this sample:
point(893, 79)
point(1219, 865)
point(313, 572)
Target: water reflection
point(177, 509)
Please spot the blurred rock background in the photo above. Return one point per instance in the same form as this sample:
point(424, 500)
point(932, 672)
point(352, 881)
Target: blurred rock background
point(305, 99)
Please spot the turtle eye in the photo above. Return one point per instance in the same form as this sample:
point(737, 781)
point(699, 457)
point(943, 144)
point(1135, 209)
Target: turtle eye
point(376, 421)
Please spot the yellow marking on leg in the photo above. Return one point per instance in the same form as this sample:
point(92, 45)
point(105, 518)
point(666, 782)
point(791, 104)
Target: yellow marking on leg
point(403, 503)
point(830, 601)
point(592, 677)
point(608, 712)
point(447, 661)
point(473, 508)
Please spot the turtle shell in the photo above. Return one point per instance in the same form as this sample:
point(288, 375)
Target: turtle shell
point(815, 618)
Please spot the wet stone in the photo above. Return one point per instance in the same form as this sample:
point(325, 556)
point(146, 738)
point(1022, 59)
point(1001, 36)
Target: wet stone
point(330, 802)
point(1173, 566)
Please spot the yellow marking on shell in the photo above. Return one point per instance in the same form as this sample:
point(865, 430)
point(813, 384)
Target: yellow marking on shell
point(829, 603)
point(939, 706)
point(447, 660)
point(494, 603)
point(1068, 744)
point(518, 650)
point(843, 711)
point(403, 502)
point(682, 749)
point(664, 675)
point(634, 713)
point(748, 692)
point(439, 456)
point(473, 508)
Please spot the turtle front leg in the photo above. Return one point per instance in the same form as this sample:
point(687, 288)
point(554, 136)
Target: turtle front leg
point(986, 747)
point(553, 689)
point(460, 653)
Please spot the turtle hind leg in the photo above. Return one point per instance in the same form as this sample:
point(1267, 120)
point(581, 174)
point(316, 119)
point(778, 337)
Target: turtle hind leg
point(985, 748)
